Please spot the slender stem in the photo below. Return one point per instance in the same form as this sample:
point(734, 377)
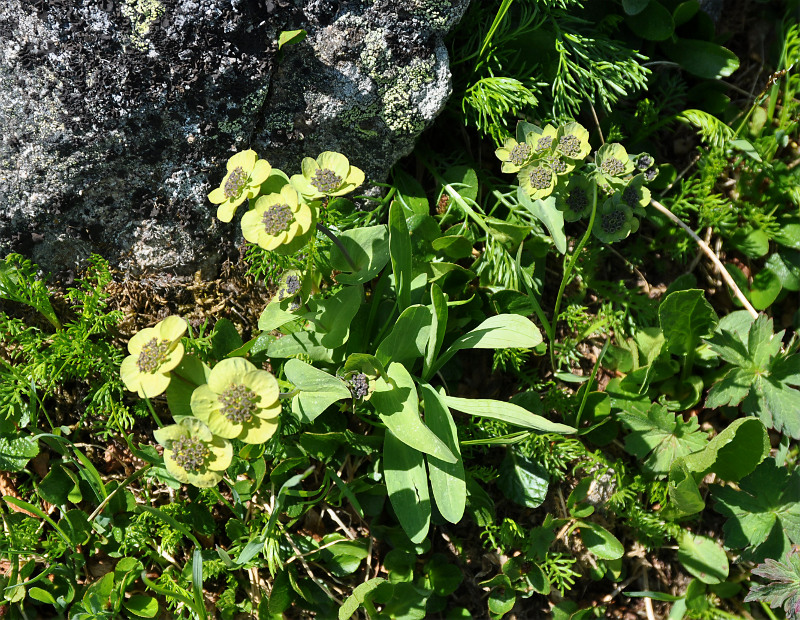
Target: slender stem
point(123, 485)
point(327, 232)
point(153, 412)
point(568, 274)
point(710, 253)
point(588, 384)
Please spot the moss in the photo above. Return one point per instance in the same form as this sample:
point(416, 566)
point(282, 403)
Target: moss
point(142, 13)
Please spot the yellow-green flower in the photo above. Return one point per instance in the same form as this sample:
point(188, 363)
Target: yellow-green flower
point(541, 140)
point(192, 454)
point(154, 351)
point(613, 161)
point(239, 401)
point(514, 155)
point(329, 175)
point(538, 181)
point(575, 200)
point(277, 219)
point(245, 175)
point(635, 194)
point(572, 141)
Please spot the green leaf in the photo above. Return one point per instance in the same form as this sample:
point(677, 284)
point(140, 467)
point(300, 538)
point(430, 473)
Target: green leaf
point(599, 541)
point(703, 557)
point(410, 193)
point(15, 451)
point(733, 453)
point(439, 315)
point(685, 317)
point(659, 436)
point(765, 289)
point(407, 485)
point(764, 514)
point(754, 243)
point(789, 232)
point(653, 23)
point(368, 247)
point(632, 7)
point(409, 337)
point(447, 479)
point(274, 317)
point(397, 404)
point(18, 283)
point(786, 265)
point(319, 390)
point(747, 148)
point(291, 37)
point(335, 314)
point(400, 253)
point(507, 412)
point(784, 586)
point(702, 58)
point(56, 486)
point(300, 343)
point(683, 491)
point(141, 605)
point(362, 592)
point(546, 212)
point(224, 338)
point(522, 480)
point(453, 246)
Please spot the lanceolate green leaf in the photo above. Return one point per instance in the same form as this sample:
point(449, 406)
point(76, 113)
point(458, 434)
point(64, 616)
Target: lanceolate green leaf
point(409, 337)
point(447, 479)
point(507, 412)
point(397, 404)
point(546, 212)
point(439, 314)
point(319, 390)
point(400, 252)
point(407, 485)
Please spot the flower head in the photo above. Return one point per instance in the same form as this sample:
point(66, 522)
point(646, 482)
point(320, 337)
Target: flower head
point(277, 219)
point(154, 351)
point(614, 220)
point(635, 194)
point(243, 180)
point(514, 155)
point(239, 401)
point(541, 140)
point(575, 201)
point(613, 161)
point(329, 175)
point(572, 141)
point(538, 181)
point(192, 454)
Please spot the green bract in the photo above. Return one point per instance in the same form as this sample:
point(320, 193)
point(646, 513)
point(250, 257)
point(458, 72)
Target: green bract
point(537, 181)
point(541, 140)
point(277, 219)
point(572, 141)
point(575, 201)
point(514, 155)
point(245, 175)
point(154, 351)
point(192, 454)
point(239, 401)
point(329, 175)
point(614, 220)
point(613, 161)
point(635, 194)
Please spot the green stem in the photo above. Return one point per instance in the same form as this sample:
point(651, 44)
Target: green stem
point(327, 232)
point(567, 275)
point(153, 412)
point(589, 384)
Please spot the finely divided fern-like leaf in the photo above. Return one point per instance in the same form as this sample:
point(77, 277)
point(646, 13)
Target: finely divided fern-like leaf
point(712, 130)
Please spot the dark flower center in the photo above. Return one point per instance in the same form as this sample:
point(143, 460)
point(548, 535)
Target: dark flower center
point(238, 403)
point(277, 218)
point(631, 196)
point(326, 181)
point(569, 145)
point(612, 166)
point(544, 143)
point(235, 183)
point(152, 355)
point(645, 161)
point(613, 222)
point(650, 174)
point(189, 453)
point(540, 178)
point(290, 286)
point(519, 154)
point(577, 200)
point(359, 385)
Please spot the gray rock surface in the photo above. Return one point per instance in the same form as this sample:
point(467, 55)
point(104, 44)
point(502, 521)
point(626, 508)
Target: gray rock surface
point(117, 116)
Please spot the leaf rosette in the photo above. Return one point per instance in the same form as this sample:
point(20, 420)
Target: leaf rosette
point(329, 175)
point(154, 352)
point(243, 181)
point(192, 454)
point(277, 219)
point(239, 401)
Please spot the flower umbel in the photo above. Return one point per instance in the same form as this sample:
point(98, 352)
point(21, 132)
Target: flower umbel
point(277, 219)
point(243, 180)
point(576, 199)
point(192, 454)
point(537, 181)
point(614, 220)
point(154, 352)
point(329, 175)
point(239, 401)
point(514, 155)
